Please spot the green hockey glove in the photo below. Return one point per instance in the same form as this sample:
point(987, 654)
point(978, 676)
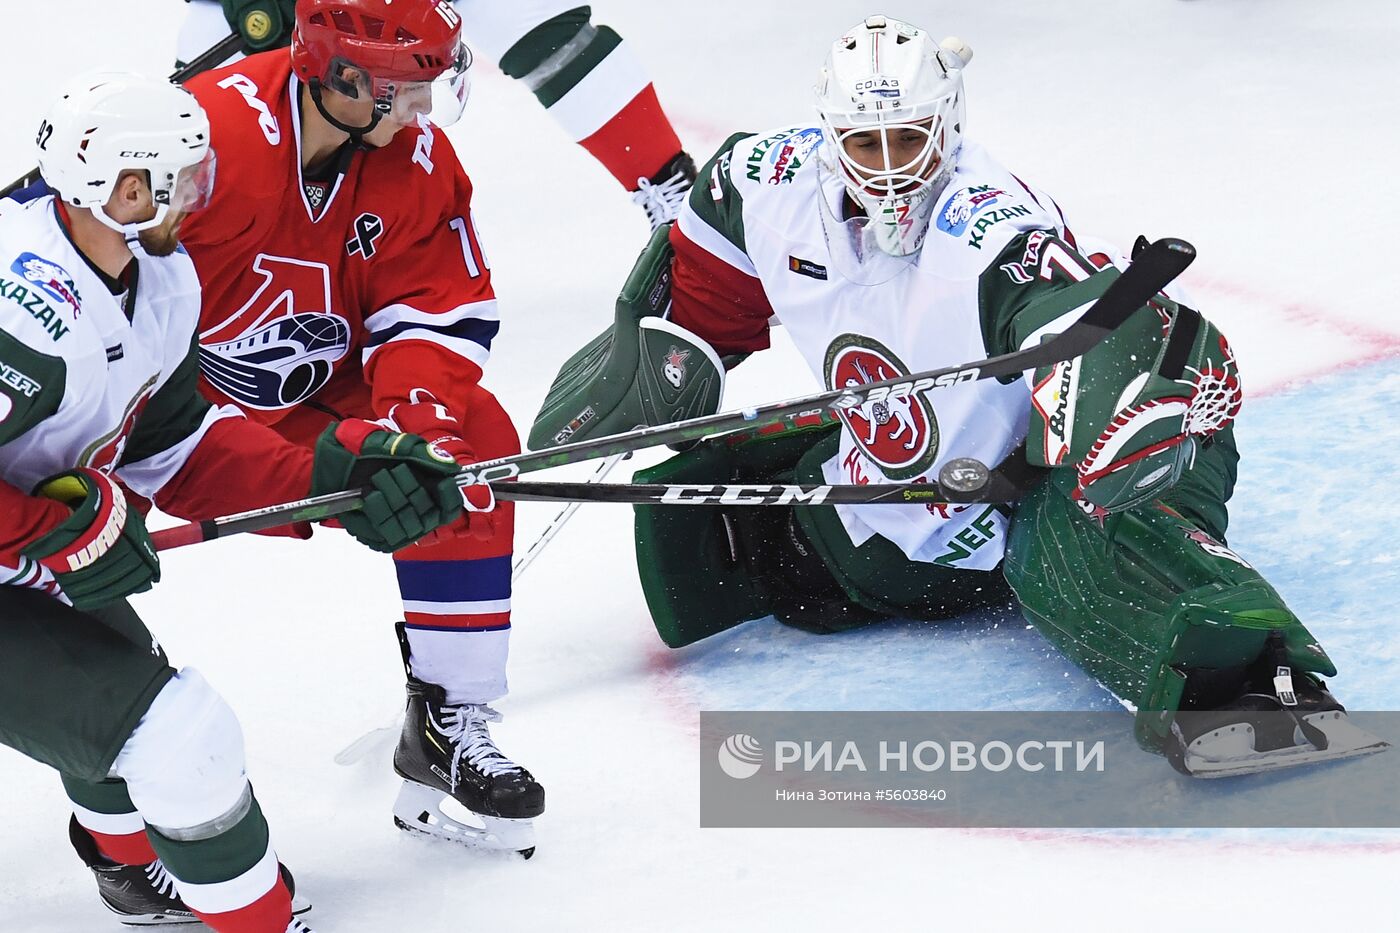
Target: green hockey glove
point(263, 24)
point(102, 553)
point(644, 370)
point(411, 483)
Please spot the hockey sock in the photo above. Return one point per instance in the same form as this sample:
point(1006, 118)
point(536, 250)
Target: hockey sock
point(271, 913)
point(103, 809)
point(126, 849)
point(598, 91)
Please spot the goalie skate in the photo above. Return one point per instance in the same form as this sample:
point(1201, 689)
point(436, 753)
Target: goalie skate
point(1261, 732)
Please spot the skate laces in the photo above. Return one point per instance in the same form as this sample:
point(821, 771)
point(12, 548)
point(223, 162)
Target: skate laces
point(471, 740)
point(662, 201)
point(161, 880)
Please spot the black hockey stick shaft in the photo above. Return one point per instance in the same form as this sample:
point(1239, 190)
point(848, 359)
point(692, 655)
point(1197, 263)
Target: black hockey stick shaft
point(999, 488)
point(221, 50)
point(732, 494)
point(1151, 271)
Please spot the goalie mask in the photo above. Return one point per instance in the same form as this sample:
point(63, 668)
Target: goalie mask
point(891, 106)
point(107, 123)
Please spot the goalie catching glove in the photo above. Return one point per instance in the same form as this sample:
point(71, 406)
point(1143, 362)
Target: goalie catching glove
point(410, 484)
point(1129, 414)
point(102, 552)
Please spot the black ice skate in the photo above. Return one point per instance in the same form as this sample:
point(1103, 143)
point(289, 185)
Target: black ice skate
point(1281, 719)
point(446, 752)
point(144, 895)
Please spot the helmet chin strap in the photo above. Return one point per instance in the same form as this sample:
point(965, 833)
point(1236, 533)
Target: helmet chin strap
point(356, 133)
point(130, 230)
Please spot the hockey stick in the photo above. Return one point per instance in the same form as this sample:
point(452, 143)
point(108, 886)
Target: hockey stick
point(1151, 271)
point(1155, 267)
point(559, 520)
point(221, 50)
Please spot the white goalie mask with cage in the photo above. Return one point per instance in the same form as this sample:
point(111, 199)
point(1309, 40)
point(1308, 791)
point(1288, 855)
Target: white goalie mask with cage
point(895, 96)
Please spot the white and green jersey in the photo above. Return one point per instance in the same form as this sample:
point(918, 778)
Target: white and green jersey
point(758, 239)
point(89, 378)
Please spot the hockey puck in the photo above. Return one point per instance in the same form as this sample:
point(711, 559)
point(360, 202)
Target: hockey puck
point(963, 475)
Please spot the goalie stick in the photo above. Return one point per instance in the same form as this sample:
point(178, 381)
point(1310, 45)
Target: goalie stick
point(1150, 271)
point(216, 55)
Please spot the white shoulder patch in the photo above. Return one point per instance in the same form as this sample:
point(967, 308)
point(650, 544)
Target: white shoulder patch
point(774, 158)
point(983, 209)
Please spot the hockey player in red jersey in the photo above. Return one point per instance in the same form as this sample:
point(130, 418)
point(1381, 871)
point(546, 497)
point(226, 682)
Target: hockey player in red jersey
point(586, 76)
point(342, 273)
point(97, 324)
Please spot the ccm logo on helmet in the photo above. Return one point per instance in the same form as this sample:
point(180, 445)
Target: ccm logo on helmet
point(138, 154)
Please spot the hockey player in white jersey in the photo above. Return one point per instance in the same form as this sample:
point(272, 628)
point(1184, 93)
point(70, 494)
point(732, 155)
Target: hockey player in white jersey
point(888, 243)
point(98, 369)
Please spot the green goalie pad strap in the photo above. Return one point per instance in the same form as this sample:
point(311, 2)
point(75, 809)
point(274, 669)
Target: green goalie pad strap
point(643, 370)
point(1142, 599)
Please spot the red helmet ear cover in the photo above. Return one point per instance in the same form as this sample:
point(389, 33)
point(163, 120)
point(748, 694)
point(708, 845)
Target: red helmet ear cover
point(406, 40)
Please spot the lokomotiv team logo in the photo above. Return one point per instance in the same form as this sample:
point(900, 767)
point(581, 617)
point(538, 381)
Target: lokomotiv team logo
point(282, 346)
point(898, 432)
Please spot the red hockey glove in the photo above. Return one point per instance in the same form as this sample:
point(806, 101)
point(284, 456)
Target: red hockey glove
point(425, 416)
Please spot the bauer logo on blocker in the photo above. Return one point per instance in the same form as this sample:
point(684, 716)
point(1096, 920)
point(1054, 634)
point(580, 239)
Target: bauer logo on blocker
point(740, 756)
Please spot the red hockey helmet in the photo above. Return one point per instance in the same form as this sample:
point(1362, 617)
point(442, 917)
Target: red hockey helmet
point(408, 56)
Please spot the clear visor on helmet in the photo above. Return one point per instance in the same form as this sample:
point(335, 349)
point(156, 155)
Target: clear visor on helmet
point(194, 185)
point(441, 99)
point(856, 240)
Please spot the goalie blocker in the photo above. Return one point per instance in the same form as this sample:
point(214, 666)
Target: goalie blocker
point(1118, 557)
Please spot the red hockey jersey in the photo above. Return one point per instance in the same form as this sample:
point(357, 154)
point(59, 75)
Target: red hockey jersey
point(347, 304)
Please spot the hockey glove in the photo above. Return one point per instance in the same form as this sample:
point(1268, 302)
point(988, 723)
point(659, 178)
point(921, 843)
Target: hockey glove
point(102, 552)
point(408, 483)
point(1130, 413)
point(263, 24)
point(425, 416)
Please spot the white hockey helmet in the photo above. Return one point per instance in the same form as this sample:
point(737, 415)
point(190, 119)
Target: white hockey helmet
point(106, 123)
point(888, 78)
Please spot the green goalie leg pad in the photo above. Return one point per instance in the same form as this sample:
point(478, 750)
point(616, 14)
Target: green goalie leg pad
point(1151, 596)
point(706, 569)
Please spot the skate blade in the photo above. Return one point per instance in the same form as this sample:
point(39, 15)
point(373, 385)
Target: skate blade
point(155, 920)
point(419, 809)
point(1229, 751)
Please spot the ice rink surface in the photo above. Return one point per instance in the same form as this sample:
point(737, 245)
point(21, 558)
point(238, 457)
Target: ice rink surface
point(1263, 132)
